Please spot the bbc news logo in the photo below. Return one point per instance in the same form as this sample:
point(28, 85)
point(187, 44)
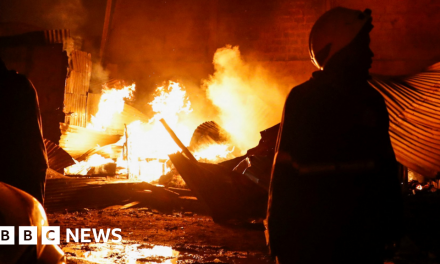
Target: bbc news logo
point(50, 235)
point(27, 235)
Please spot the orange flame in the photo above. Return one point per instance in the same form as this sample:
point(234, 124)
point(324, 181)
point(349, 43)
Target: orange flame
point(82, 167)
point(214, 153)
point(147, 145)
point(112, 102)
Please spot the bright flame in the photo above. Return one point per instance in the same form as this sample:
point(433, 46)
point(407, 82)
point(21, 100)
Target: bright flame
point(112, 102)
point(248, 98)
point(82, 167)
point(214, 153)
point(149, 142)
point(169, 102)
point(146, 146)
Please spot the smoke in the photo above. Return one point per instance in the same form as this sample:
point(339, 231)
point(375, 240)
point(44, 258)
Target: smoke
point(249, 99)
point(21, 16)
point(69, 14)
point(99, 77)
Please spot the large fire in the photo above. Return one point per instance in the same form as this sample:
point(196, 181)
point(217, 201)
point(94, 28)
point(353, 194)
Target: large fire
point(112, 102)
point(146, 145)
point(246, 99)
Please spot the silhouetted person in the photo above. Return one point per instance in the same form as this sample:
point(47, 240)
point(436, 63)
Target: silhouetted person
point(334, 195)
point(23, 162)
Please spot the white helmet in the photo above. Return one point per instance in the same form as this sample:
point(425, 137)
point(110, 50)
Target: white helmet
point(334, 30)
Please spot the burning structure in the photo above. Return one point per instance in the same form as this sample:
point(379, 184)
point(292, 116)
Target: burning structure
point(158, 60)
point(105, 133)
point(138, 145)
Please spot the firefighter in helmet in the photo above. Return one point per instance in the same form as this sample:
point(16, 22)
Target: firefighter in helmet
point(334, 194)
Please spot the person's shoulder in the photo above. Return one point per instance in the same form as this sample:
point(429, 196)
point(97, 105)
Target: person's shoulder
point(20, 81)
point(301, 91)
point(19, 77)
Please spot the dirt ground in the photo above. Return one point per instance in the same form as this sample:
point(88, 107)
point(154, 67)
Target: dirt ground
point(149, 236)
point(152, 237)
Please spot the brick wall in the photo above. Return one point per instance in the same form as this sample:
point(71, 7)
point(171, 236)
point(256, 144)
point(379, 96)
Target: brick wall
point(406, 34)
point(151, 40)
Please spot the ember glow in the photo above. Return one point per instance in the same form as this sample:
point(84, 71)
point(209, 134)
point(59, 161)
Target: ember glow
point(145, 146)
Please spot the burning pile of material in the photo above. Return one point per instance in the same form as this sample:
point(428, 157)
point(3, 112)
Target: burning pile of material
point(120, 140)
point(143, 149)
point(237, 92)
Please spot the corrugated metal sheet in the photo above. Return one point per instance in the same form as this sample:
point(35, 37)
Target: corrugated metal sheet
point(75, 107)
point(77, 193)
point(413, 106)
point(77, 87)
point(208, 133)
point(81, 62)
point(58, 158)
point(77, 82)
point(92, 105)
point(56, 35)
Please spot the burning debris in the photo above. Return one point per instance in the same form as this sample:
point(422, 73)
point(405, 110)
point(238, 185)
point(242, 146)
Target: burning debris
point(140, 147)
point(210, 143)
point(120, 141)
point(94, 162)
point(141, 152)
